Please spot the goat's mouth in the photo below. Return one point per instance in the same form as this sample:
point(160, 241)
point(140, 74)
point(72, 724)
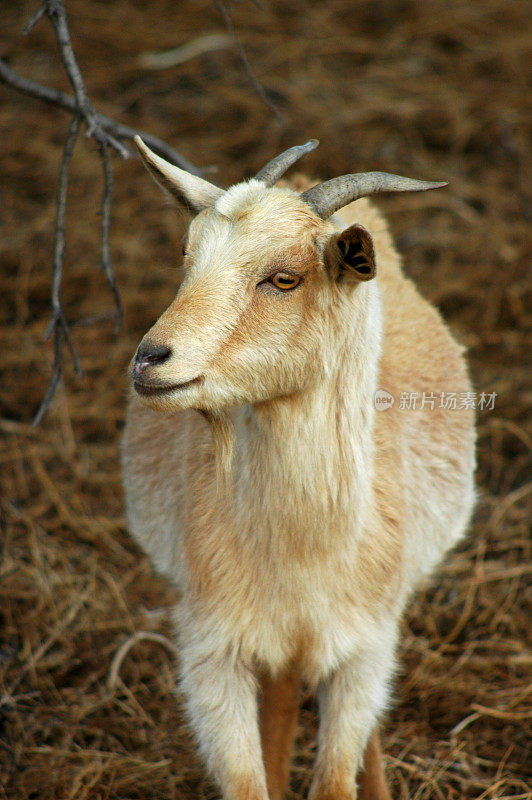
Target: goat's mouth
point(156, 389)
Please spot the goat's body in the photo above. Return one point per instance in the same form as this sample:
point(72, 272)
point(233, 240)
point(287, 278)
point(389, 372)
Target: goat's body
point(334, 513)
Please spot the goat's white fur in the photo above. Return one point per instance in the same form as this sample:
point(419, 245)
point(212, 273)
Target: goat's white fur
point(332, 513)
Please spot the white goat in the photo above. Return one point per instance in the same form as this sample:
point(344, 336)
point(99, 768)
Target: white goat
point(294, 518)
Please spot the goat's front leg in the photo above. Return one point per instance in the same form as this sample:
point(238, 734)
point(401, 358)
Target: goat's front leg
point(350, 702)
point(221, 696)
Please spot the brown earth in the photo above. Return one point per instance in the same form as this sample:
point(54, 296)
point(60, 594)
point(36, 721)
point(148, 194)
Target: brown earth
point(428, 88)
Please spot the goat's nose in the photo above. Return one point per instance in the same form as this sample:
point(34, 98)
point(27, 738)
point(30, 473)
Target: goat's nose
point(149, 354)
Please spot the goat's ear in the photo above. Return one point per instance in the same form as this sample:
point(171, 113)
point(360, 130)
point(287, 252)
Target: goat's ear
point(350, 255)
point(189, 190)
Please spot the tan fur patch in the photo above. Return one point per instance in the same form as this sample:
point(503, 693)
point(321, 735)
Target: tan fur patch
point(371, 779)
point(334, 785)
point(244, 788)
point(278, 718)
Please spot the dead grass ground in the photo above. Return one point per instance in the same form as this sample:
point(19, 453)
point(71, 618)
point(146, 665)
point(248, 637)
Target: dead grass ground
point(429, 88)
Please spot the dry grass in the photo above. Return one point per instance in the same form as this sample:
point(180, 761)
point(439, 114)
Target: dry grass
point(433, 89)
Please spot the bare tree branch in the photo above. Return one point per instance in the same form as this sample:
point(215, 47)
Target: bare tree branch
point(222, 10)
point(56, 13)
point(58, 324)
point(107, 134)
point(58, 98)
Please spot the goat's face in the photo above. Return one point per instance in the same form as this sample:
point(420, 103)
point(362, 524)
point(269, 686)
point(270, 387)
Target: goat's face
point(263, 268)
point(249, 317)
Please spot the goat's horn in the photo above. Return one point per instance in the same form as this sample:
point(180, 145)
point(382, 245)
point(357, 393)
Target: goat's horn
point(275, 168)
point(328, 197)
point(190, 190)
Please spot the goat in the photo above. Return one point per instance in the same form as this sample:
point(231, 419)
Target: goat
point(295, 519)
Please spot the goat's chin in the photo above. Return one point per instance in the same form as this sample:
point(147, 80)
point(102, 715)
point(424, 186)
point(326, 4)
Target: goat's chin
point(171, 401)
point(202, 397)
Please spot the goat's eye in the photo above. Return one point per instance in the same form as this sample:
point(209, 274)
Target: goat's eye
point(284, 280)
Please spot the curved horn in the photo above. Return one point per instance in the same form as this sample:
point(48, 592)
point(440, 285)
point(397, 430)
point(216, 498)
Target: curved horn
point(275, 168)
point(189, 190)
point(328, 197)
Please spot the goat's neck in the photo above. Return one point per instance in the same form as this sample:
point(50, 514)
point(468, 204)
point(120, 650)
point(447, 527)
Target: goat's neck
point(311, 455)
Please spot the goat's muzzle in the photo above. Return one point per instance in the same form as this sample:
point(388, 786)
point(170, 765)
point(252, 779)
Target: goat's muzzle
point(145, 382)
point(149, 355)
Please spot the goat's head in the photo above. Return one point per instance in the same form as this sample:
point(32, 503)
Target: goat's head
point(263, 267)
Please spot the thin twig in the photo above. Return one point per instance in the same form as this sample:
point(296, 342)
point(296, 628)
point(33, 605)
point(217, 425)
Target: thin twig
point(222, 10)
point(165, 59)
point(123, 650)
point(105, 227)
point(34, 20)
point(58, 324)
